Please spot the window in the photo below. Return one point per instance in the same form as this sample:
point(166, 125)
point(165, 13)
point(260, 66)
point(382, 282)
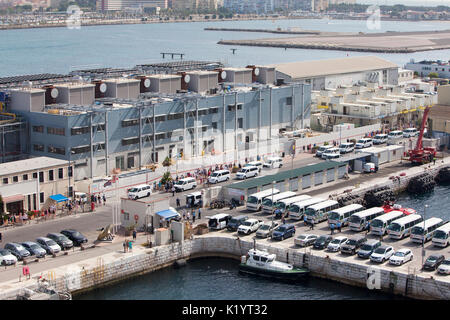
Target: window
point(35, 175)
point(56, 150)
point(41, 197)
point(204, 129)
point(203, 112)
point(38, 129)
point(160, 136)
point(240, 123)
point(130, 122)
point(160, 118)
point(213, 110)
point(80, 149)
point(60, 173)
point(70, 171)
point(214, 125)
point(129, 141)
point(126, 216)
point(15, 179)
point(56, 131)
point(25, 177)
point(38, 147)
point(79, 130)
point(289, 101)
point(50, 175)
point(99, 127)
point(5, 180)
point(231, 107)
point(239, 106)
point(175, 116)
point(41, 176)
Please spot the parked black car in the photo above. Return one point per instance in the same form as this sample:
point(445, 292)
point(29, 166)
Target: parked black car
point(76, 237)
point(433, 262)
point(235, 222)
point(322, 242)
point(17, 250)
point(353, 244)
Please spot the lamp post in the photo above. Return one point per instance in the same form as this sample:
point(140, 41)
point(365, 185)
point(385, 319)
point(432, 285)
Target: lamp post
point(423, 239)
point(273, 182)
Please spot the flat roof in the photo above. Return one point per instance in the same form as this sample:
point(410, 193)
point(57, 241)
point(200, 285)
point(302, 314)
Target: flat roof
point(298, 172)
point(165, 76)
point(351, 157)
point(121, 80)
point(14, 167)
point(316, 68)
point(74, 85)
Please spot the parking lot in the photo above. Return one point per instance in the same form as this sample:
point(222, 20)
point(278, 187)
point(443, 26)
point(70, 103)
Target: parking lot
point(323, 229)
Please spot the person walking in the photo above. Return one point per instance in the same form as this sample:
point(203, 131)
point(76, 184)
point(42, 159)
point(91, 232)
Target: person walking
point(282, 219)
point(173, 191)
point(104, 200)
point(311, 226)
point(368, 228)
point(1, 237)
point(130, 246)
point(178, 202)
point(199, 213)
point(125, 246)
point(184, 214)
point(332, 228)
point(339, 226)
point(134, 235)
point(305, 220)
point(188, 216)
point(193, 216)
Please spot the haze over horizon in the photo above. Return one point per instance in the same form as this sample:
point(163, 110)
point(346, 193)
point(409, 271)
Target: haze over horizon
point(423, 3)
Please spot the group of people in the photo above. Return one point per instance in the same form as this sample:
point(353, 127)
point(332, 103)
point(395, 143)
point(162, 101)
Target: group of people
point(187, 214)
point(337, 226)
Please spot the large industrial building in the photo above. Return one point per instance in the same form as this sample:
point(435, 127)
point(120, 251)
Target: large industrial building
point(99, 121)
point(331, 73)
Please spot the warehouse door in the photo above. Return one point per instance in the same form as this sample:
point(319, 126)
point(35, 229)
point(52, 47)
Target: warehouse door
point(306, 181)
point(330, 175)
point(342, 171)
point(318, 178)
point(280, 185)
point(293, 184)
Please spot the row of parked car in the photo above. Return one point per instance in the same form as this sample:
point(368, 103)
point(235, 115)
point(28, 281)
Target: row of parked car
point(51, 244)
point(360, 245)
point(371, 249)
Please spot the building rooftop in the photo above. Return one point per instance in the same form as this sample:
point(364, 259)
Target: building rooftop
point(74, 85)
point(255, 182)
point(237, 69)
point(316, 68)
point(31, 164)
point(165, 76)
point(121, 80)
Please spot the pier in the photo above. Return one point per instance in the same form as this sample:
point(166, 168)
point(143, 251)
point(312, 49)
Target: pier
point(392, 42)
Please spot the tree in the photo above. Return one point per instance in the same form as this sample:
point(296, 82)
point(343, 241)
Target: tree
point(433, 75)
point(166, 178)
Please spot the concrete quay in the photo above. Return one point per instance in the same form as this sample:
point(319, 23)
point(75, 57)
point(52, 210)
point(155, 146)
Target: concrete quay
point(392, 42)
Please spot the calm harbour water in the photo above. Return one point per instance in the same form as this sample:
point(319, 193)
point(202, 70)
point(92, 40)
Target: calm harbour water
point(60, 50)
point(217, 279)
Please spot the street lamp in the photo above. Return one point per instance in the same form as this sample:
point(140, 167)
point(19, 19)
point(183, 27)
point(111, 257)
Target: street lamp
point(423, 239)
point(273, 182)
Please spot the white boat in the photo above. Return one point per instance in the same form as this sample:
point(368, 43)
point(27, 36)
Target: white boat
point(261, 262)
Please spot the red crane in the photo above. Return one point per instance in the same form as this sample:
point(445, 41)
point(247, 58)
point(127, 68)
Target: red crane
point(422, 155)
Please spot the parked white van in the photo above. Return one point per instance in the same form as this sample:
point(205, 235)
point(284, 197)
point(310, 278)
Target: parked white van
point(273, 162)
point(410, 132)
point(322, 149)
point(257, 164)
point(330, 152)
point(247, 172)
point(346, 147)
point(219, 176)
point(81, 196)
point(140, 191)
point(363, 143)
point(185, 184)
point(395, 135)
point(219, 221)
point(380, 138)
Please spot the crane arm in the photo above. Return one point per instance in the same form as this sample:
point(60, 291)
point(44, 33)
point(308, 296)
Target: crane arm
point(422, 128)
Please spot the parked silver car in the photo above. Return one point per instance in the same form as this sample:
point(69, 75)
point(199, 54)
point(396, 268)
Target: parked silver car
point(48, 244)
point(18, 250)
point(61, 240)
point(35, 249)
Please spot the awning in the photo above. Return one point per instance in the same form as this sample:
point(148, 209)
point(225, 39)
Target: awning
point(168, 214)
point(14, 198)
point(58, 198)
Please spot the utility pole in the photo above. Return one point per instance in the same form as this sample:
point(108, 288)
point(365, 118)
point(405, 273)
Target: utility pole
point(273, 182)
point(423, 239)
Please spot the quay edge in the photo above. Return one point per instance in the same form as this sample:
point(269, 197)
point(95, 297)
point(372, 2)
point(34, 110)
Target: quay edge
point(112, 268)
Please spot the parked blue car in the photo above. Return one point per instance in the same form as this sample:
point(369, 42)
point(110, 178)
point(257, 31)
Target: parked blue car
point(284, 231)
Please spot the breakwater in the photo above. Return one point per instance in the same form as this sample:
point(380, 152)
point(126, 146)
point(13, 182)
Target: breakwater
point(267, 31)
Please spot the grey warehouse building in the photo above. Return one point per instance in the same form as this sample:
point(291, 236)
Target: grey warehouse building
point(130, 122)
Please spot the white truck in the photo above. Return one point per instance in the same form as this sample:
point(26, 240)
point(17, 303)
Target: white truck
point(249, 226)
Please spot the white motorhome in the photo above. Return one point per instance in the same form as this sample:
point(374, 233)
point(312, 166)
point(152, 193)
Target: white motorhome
point(297, 209)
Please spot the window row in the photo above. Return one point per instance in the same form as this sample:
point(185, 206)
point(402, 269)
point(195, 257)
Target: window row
point(52, 175)
point(50, 130)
